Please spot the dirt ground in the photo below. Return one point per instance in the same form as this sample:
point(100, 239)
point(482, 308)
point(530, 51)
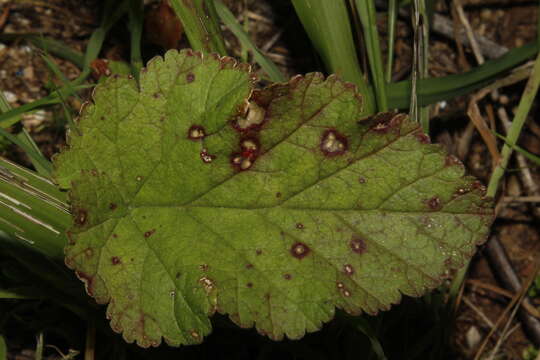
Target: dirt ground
point(24, 78)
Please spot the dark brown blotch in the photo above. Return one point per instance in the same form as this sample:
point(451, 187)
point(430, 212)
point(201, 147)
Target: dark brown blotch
point(358, 244)
point(81, 217)
point(423, 138)
point(434, 203)
point(149, 233)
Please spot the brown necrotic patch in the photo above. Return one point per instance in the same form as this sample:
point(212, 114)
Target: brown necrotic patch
point(81, 216)
point(434, 203)
point(149, 233)
point(358, 244)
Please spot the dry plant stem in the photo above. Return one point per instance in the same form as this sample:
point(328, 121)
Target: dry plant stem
point(90, 349)
point(525, 174)
point(522, 199)
point(517, 124)
point(521, 73)
point(444, 26)
point(473, 110)
point(497, 290)
point(478, 312)
point(500, 264)
point(505, 332)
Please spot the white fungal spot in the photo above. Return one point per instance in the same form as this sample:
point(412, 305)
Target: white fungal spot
point(346, 293)
point(340, 285)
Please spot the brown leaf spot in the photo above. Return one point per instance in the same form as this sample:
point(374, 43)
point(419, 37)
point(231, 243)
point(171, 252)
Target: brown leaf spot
point(190, 77)
point(196, 132)
point(287, 276)
point(249, 285)
point(423, 138)
point(300, 226)
point(89, 252)
point(434, 203)
point(258, 251)
point(358, 245)
point(149, 233)
point(112, 206)
point(348, 269)
point(299, 250)
point(81, 216)
point(206, 157)
point(362, 180)
point(249, 266)
point(115, 260)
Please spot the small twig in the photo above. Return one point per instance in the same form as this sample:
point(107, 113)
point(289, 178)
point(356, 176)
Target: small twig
point(4, 16)
point(444, 26)
point(523, 199)
point(498, 259)
point(526, 304)
point(90, 348)
point(272, 41)
point(505, 332)
point(525, 174)
point(478, 312)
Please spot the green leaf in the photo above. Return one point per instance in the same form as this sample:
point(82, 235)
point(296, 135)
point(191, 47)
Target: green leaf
point(185, 205)
point(3, 348)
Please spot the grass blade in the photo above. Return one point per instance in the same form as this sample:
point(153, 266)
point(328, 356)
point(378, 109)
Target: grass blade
point(33, 211)
point(200, 24)
point(368, 18)
point(49, 45)
point(534, 158)
point(230, 21)
point(37, 158)
point(136, 21)
point(515, 130)
point(328, 26)
point(52, 99)
point(432, 90)
point(392, 19)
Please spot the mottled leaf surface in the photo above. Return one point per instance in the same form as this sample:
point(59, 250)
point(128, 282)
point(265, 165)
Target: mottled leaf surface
point(193, 193)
